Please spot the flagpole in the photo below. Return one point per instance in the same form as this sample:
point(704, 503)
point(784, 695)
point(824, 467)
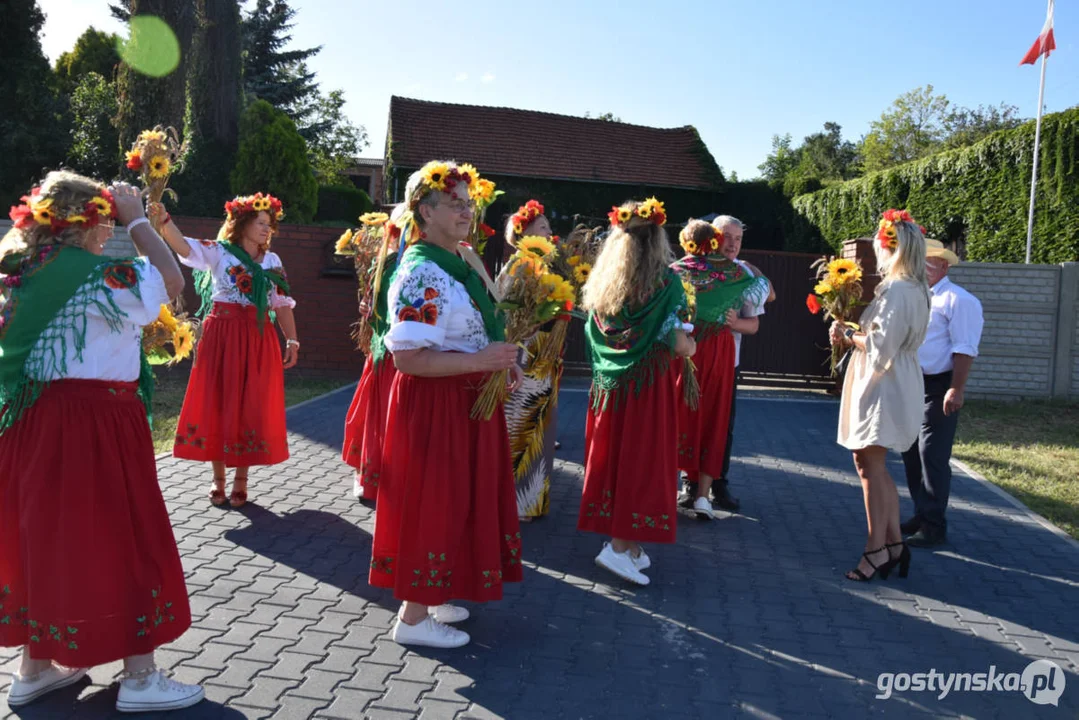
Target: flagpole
point(1037, 143)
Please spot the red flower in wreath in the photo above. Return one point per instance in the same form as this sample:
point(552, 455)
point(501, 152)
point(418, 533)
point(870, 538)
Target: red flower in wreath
point(430, 294)
point(121, 277)
point(243, 283)
point(487, 230)
point(409, 314)
point(429, 313)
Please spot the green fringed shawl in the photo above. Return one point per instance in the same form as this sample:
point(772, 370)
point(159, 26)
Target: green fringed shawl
point(632, 348)
point(380, 321)
point(46, 304)
point(721, 285)
point(463, 273)
point(262, 281)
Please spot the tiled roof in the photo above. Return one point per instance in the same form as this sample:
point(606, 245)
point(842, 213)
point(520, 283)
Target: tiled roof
point(527, 143)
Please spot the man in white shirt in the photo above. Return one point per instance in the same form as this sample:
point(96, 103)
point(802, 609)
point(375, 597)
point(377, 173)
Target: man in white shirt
point(951, 344)
point(747, 324)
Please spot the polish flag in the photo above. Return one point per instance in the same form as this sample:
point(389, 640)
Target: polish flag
point(1045, 42)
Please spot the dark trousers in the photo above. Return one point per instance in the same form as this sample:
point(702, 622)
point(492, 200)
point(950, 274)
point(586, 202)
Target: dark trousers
point(730, 430)
point(929, 476)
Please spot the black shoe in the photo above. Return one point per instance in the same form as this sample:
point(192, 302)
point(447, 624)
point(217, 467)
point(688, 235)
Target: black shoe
point(902, 560)
point(722, 498)
point(927, 537)
point(858, 576)
point(911, 526)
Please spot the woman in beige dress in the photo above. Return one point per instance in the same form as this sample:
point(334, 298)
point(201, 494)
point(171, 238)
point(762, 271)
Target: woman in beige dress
point(882, 391)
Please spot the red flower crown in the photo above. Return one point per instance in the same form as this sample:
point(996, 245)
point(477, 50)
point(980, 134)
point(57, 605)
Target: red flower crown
point(36, 210)
point(651, 210)
point(242, 205)
point(705, 247)
point(525, 215)
point(888, 233)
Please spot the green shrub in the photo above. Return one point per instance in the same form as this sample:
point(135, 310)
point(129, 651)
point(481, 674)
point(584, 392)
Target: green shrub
point(342, 202)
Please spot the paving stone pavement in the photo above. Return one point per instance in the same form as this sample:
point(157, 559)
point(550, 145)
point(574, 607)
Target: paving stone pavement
point(746, 616)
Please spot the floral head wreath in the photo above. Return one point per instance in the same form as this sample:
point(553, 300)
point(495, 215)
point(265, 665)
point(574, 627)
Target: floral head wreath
point(705, 247)
point(438, 176)
point(243, 205)
point(888, 233)
point(525, 215)
point(38, 211)
point(651, 210)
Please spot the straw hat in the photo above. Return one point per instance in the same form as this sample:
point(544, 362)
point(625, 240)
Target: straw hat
point(935, 248)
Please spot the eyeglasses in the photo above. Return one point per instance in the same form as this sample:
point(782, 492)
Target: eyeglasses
point(458, 205)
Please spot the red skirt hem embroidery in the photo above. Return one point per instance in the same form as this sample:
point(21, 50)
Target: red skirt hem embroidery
point(365, 424)
point(631, 464)
point(89, 570)
point(446, 523)
point(234, 408)
point(702, 433)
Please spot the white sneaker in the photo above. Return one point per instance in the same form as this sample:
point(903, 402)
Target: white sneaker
point(156, 692)
point(357, 486)
point(449, 614)
point(642, 561)
point(703, 508)
point(621, 564)
point(24, 691)
point(430, 633)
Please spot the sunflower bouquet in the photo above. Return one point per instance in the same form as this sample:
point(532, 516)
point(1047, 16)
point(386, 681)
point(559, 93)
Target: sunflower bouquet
point(482, 192)
point(155, 156)
point(364, 246)
point(531, 295)
point(691, 387)
point(169, 339)
point(838, 292)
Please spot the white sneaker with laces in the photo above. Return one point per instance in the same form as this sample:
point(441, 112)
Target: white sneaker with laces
point(24, 691)
point(642, 561)
point(621, 564)
point(156, 692)
point(449, 614)
point(430, 633)
point(703, 508)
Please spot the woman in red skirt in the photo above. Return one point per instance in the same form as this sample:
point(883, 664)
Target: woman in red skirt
point(234, 409)
point(634, 333)
point(722, 287)
point(365, 422)
point(89, 571)
point(446, 522)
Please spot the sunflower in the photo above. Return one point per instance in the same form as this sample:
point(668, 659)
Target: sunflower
point(482, 191)
point(582, 272)
point(823, 287)
point(261, 204)
point(535, 245)
point(691, 246)
point(525, 264)
point(573, 260)
point(624, 214)
point(159, 167)
point(344, 244)
point(435, 174)
point(842, 271)
point(469, 174)
point(104, 207)
point(374, 218)
point(183, 341)
point(43, 213)
point(165, 317)
point(558, 289)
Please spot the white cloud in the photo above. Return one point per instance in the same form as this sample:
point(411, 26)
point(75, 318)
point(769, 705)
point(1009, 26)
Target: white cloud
point(461, 77)
point(488, 77)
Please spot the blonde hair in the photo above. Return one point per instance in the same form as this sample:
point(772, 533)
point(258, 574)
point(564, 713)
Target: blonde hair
point(632, 263)
point(907, 261)
point(69, 193)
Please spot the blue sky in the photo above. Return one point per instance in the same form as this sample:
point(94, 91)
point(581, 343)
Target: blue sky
point(738, 71)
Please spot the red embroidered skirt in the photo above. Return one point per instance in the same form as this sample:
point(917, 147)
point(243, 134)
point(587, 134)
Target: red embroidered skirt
point(446, 523)
point(631, 463)
point(234, 408)
point(89, 571)
point(365, 424)
point(702, 433)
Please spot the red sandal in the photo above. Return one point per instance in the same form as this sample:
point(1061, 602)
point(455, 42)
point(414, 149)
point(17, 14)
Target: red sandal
point(238, 498)
point(217, 495)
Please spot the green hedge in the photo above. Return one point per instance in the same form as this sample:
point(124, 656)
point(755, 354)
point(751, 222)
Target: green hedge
point(978, 194)
point(342, 202)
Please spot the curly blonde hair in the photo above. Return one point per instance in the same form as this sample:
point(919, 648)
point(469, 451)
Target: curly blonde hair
point(69, 193)
point(633, 261)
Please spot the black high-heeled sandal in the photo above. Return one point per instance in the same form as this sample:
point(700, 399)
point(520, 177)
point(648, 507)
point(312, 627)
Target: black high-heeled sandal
point(857, 575)
point(902, 560)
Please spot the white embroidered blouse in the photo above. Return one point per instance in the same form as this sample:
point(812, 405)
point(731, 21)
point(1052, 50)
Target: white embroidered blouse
point(209, 255)
point(429, 309)
point(108, 354)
